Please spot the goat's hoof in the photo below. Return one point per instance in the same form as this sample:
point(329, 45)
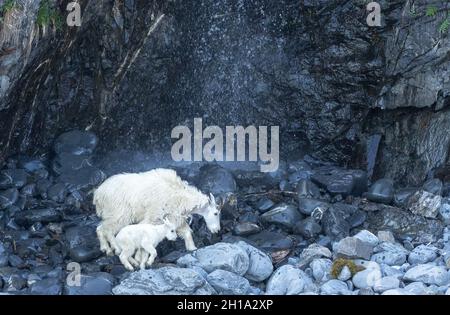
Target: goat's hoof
point(191, 249)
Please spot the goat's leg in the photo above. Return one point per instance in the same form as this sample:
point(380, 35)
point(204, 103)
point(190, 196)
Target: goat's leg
point(124, 257)
point(144, 259)
point(104, 244)
point(110, 232)
point(133, 260)
point(185, 232)
point(153, 253)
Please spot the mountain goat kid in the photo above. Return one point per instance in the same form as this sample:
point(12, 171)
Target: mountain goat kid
point(148, 197)
point(142, 239)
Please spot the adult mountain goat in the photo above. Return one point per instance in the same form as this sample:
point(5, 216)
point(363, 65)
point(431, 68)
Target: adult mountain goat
point(146, 198)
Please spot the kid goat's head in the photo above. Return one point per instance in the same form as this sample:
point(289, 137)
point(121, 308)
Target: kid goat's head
point(211, 214)
point(171, 233)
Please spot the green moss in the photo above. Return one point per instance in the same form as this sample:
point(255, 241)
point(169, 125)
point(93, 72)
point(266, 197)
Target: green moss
point(340, 263)
point(47, 15)
point(8, 5)
point(443, 28)
point(431, 11)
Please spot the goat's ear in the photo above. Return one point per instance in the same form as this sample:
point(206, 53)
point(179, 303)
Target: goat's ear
point(212, 200)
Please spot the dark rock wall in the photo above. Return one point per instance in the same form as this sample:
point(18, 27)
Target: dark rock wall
point(136, 69)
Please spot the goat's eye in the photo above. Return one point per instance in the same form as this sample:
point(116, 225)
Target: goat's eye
point(172, 231)
point(216, 213)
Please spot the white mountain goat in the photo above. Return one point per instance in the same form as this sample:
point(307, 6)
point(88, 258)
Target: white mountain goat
point(142, 239)
point(147, 197)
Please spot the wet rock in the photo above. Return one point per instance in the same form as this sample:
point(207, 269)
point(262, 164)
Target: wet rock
point(57, 192)
point(15, 261)
point(284, 215)
point(29, 190)
point(428, 274)
point(357, 219)
point(381, 191)
point(13, 178)
point(68, 162)
point(8, 198)
point(271, 241)
point(352, 247)
point(334, 287)
point(425, 204)
point(80, 235)
point(308, 205)
point(340, 181)
point(30, 164)
point(228, 283)
point(405, 224)
point(422, 254)
point(216, 180)
point(14, 282)
point(250, 217)
point(308, 228)
point(366, 278)
point(29, 217)
point(49, 286)
point(334, 221)
point(321, 269)
point(76, 142)
point(82, 178)
point(42, 187)
point(401, 196)
point(84, 253)
point(246, 228)
point(260, 265)
point(307, 189)
point(229, 257)
point(433, 186)
point(93, 284)
point(164, 281)
point(386, 283)
point(335, 181)
point(264, 205)
point(289, 280)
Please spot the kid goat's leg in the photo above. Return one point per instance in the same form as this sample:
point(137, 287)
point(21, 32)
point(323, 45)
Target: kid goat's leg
point(110, 232)
point(144, 259)
point(152, 251)
point(124, 257)
point(185, 233)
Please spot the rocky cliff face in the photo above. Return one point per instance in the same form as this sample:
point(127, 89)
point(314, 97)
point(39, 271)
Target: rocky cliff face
point(341, 91)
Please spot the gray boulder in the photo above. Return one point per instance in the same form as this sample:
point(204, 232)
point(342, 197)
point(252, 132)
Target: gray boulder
point(229, 257)
point(164, 281)
point(289, 280)
point(260, 265)
point(428, 274)
point(352, 247)
point(228, 283)
point(335, 287)
point(422, 254)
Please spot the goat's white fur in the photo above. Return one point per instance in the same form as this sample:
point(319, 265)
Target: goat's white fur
point(142, 239)
point(146, 198)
